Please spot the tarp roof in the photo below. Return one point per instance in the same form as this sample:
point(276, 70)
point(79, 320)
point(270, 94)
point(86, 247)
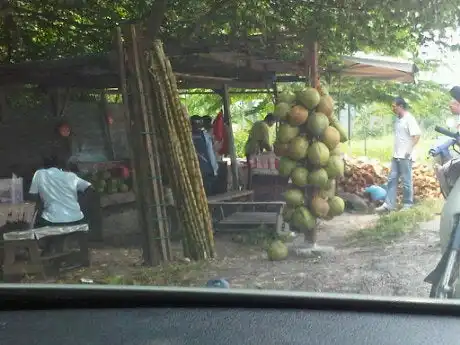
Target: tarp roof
point(378, 67)
point(198, 70)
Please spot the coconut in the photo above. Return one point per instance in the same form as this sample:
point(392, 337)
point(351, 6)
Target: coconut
point(299, 176)
point(319, 207)
point(294, 197)
point(298, 115)
point(281, 110)
point(326, 105)
point(298, 148)
point(277, 251)
point(286, 133)
point(309, 98)
point(302, 219)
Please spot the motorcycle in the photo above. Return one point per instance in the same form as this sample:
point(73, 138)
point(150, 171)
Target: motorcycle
point(444, 278)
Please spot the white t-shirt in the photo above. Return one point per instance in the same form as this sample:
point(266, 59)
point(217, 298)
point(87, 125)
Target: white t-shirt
point(405, 128)
point(59, 192)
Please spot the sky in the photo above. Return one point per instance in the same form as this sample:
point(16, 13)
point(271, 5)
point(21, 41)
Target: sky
point(448, 73)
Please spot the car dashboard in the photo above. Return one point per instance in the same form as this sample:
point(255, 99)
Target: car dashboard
point(214, 317)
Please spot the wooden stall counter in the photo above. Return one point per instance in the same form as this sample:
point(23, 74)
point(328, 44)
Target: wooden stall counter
point(268, 185)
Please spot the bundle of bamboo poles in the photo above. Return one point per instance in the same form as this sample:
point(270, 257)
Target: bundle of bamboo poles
point(173, 130)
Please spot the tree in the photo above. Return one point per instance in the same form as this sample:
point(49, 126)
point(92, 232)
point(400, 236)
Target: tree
point(50, 28)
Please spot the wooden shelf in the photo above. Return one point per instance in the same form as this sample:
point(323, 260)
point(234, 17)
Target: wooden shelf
point(117, 199)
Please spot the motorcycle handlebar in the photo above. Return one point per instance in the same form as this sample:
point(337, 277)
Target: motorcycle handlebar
point(446, 132)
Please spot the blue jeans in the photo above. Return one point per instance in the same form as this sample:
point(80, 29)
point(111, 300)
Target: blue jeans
point(400, 168)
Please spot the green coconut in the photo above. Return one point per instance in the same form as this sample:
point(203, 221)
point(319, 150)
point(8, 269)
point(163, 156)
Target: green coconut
point(282, 110)
point(317, 124)
point(294, 197)
point(286, 166)
point(286, 97)
point(336, 206)
point(277, 251)
point(335, 167)
point(309, 98)
point(298, 148)
point(286, 133)
point(318, 154)
point(318, 178)
point(299, 176)
point(302, 219)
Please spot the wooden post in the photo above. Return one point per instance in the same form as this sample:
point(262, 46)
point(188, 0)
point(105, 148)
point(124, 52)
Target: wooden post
point(139, 160)
point(231, 139)
point(133, 139)
point(311, 72)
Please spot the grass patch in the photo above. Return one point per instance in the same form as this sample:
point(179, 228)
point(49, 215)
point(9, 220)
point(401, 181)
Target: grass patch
point(395, 224)
point(382, 148)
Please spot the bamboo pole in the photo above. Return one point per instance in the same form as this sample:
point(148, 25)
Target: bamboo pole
point(180, 155)
point(162, 239)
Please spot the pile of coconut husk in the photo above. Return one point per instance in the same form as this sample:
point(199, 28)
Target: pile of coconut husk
point(363, 172)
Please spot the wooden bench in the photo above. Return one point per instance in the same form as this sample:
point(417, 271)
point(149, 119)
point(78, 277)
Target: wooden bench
point(38, 261)
point(243, 219)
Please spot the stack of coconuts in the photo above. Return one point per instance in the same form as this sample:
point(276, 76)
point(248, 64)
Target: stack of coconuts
point(308, 142)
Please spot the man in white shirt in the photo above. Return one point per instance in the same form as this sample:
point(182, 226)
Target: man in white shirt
point(57, 193)
point(406, 136)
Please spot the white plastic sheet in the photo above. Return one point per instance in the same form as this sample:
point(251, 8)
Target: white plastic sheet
point(38, 233)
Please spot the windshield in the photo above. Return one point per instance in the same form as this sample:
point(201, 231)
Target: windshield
point(241, 145)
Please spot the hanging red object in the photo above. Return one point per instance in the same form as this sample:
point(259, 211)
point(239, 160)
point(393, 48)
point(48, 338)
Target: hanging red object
point(64, 130)
point(218, 127)
point(220, 133)
point(109, 119)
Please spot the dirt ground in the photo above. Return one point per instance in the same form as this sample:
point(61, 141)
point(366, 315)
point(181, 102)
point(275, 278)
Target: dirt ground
point(394, 269)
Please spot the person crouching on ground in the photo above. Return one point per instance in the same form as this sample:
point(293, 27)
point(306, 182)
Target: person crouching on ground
point(406, 136)
point(375, 195)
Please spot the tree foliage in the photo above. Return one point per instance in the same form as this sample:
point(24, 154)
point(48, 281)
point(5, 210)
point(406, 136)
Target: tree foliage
point(34, 29)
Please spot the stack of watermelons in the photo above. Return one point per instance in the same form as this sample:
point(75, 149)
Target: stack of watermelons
point(308, 141)
point(112, 181)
